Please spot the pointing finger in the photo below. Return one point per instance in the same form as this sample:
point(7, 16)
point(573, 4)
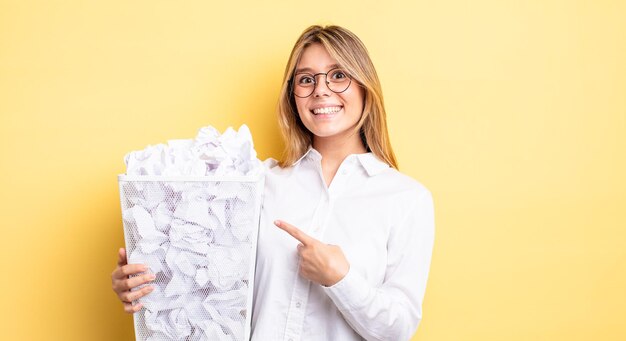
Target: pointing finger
point(295, 232)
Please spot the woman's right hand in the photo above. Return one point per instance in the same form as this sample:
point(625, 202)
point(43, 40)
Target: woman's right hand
point(122, 283)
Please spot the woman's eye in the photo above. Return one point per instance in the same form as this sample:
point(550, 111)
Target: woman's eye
point(339, 75)
point(305, 80)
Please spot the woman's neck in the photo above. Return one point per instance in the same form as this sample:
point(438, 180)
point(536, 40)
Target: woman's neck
point(338, 148)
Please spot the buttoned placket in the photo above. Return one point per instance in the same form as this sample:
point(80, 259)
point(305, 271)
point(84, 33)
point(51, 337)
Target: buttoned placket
point(317, 228)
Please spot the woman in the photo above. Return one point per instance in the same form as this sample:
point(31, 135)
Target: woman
point(345, 240)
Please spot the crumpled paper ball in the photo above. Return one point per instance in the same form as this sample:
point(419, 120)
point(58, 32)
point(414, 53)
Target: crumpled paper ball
point(210, 153)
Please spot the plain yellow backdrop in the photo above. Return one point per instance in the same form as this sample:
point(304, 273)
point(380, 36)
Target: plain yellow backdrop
point(513, 113)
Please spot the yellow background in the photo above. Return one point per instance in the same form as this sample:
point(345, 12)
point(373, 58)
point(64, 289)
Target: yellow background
point(513, 113)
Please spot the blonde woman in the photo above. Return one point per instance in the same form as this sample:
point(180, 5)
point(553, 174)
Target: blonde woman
point(345, 239)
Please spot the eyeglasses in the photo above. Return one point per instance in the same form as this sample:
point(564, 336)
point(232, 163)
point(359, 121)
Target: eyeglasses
point(303, 83)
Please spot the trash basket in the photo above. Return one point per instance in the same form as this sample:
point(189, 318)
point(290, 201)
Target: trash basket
point(198, 235)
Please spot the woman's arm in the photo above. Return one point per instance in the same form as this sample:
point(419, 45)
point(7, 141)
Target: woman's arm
point(393, 310)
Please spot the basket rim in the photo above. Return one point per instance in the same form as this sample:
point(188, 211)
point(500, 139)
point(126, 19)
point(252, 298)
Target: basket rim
point(209, 178)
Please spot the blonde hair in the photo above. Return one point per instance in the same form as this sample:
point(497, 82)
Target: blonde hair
point(350, 53)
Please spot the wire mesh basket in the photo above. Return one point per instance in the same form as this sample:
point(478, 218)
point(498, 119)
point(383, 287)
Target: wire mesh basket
point(198, 237)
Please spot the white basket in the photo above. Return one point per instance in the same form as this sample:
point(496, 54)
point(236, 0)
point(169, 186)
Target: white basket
point(198, 235)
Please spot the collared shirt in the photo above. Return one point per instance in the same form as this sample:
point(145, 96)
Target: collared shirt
point(383, 222)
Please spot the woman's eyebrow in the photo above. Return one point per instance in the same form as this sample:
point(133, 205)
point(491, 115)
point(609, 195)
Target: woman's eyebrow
point(308, 69)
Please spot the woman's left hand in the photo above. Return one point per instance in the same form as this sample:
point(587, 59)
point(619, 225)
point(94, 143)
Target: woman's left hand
point(320, 263)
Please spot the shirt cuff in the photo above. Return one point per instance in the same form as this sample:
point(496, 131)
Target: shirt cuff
point(350, 293)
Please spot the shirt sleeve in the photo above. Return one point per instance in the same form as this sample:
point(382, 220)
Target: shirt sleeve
point(393, 310)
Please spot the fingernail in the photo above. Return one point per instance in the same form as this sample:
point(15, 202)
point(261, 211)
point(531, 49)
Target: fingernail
point(151, 277)
point(277, 222)
point(150, 289)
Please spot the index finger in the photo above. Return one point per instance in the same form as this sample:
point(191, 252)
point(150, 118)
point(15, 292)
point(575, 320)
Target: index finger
point(295, 232)
point(129, 269)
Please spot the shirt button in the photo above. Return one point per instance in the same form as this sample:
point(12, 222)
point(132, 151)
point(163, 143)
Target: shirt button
point(298, 305)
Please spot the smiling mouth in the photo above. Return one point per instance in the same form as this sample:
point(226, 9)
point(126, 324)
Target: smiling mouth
point(326, 111)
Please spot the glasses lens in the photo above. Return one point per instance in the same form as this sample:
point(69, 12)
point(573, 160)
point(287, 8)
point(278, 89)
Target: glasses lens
point(303, 84)
point(338, 80)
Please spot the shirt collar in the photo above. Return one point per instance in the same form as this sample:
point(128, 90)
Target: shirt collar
point(309, 153)
point(369, 161)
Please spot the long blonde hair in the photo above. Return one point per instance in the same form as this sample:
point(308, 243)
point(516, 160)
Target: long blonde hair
point(350, 53)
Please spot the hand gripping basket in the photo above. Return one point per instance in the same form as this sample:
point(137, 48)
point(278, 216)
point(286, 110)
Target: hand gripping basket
point(198, 236)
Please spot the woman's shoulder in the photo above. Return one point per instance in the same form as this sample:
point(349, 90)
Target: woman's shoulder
point(274, 172)
point(270, 163)
point(272, 166)
point(382, 175)
point(402, 183)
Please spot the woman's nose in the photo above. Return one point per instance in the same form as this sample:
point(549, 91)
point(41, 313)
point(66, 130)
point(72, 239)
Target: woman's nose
point(321, 88)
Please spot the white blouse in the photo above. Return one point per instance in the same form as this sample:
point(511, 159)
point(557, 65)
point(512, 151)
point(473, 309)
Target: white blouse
point(382, 220)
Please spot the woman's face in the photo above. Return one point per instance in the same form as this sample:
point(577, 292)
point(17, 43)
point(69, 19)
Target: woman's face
point(326, 114)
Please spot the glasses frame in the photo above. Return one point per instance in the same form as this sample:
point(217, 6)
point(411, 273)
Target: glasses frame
point(315, 82)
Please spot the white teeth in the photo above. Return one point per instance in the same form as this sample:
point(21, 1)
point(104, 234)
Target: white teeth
point(328, 110)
